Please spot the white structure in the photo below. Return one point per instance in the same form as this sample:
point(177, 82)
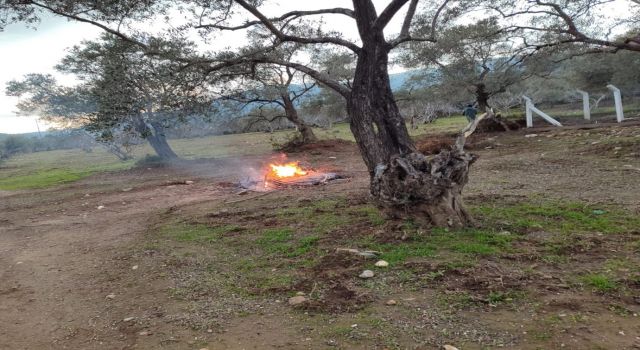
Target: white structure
point(585, 104)
point(618, 100)
point(530, 109)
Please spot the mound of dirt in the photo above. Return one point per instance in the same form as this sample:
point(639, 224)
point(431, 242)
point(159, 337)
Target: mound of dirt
point(434, 143)
point(497, 124)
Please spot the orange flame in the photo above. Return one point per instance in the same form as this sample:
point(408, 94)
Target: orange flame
point(287, 170)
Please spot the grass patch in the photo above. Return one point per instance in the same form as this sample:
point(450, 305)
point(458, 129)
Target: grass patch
point(281, 241)
point(560, 217)
point(600, 283)
point(372, 213)
point(468, 242)
point(186, 232)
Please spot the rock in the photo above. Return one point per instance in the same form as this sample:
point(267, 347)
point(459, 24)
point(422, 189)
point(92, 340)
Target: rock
point(144, 333)
point(188, 182)
point(382, 263)
point(449, 347)
point(369, 254)
point(527, 136)
point(367, 274)
point(100, 207)
point(297, 300)
point(127, 189)
point(365, 253)
point(134, 267)
point(391, 302)
point(111, 296)
point(129, 319)
point(300, 294)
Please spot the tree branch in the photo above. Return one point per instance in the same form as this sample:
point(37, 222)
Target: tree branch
point(388, 13)
point(302, 40)
point(288, 15)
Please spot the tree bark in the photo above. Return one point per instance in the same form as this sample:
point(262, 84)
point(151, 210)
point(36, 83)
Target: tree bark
point(292, 115)
point(159, 142)
point(403, 181)
point(156, 138)
point(482, 97)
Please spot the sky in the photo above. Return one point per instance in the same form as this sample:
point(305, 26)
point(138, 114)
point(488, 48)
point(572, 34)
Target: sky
point(25, 50)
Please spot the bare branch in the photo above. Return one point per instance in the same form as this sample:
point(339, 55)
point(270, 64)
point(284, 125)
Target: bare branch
point(405, 34)
point(302, 40)
point(388, 13)
point(287, 16)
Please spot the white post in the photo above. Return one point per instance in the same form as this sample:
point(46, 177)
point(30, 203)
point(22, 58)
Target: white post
point(585, 104)
point(528, 113)
point(618, 100)
point(545, 116)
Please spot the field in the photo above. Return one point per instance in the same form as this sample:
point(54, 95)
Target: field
point(100, 254)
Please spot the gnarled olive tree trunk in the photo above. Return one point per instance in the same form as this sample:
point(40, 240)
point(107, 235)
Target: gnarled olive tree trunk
point(482, 97)
point(291, 113)
point(156, 138)
point(404, 181)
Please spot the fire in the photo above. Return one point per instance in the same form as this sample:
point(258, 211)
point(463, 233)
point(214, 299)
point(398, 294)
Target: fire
point(287, 170)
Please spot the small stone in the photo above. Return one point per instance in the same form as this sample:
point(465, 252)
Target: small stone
point(111, 296)
point(449, 347)
point(134, 267)
point(188, 182)
point(367, 274)
point(144, 333)
point(391, 302)
point(382, 263)
point(127, 189)
point(297, 300)
point(209, 330)
point(204, 349)
point(19, 262)
point(354, 325)
point(129, 319)
point(100, 207)
point(300, 294)
point(527, 136)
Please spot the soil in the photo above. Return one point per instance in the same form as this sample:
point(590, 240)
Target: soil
point(73, 274)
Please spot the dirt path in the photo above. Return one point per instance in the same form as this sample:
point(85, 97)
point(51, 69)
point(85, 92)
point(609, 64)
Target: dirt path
point(61, 257)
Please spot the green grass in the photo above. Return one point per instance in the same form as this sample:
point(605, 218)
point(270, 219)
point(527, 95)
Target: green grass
point(467, 242)
point(557, 216)
point(600, 282)
point(282, 241)
point(42, 178)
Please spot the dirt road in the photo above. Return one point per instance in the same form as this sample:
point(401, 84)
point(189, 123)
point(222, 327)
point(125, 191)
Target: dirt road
point(65, 279)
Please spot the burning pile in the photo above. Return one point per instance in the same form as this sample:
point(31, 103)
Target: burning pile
point(285, 175)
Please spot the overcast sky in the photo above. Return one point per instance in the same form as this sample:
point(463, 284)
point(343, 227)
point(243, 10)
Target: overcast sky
point(25, 50)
